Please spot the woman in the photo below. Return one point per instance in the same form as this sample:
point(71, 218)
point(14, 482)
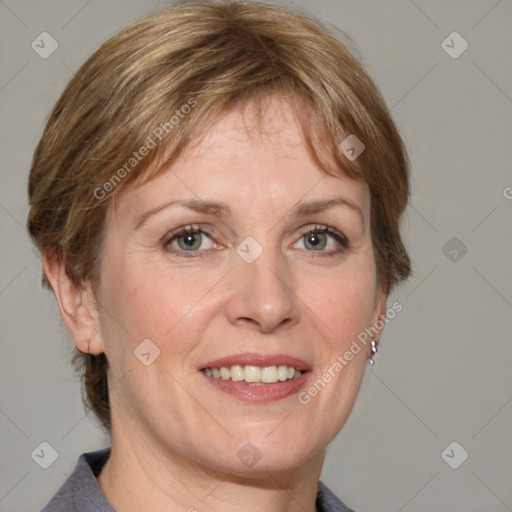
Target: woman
point(216, 196)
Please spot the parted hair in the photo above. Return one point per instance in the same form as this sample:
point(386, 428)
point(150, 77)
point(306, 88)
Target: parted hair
point(156, 86)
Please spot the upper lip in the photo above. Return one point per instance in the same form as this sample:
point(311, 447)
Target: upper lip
point(253, 359)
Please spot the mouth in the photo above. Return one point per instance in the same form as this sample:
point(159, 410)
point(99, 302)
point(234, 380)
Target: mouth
point(256, 377)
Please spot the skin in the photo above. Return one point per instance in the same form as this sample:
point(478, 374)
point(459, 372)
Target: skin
point(175, 437)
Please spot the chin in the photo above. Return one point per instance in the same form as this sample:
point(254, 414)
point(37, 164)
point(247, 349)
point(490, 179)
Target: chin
point(251, 463)
point(263, 453)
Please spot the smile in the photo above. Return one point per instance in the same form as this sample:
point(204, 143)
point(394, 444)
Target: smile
point(254, 374)
point(257, 378)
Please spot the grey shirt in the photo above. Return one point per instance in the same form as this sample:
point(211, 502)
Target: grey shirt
point(82, 493)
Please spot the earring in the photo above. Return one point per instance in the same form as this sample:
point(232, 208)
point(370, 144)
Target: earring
point(374, 351)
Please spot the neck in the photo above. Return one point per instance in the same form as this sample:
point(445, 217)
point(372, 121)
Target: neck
point(163, 480)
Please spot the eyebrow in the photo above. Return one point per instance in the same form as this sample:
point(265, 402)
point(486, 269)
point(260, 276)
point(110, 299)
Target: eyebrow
point(215, 209)
point(304, 209)
point(221, 210)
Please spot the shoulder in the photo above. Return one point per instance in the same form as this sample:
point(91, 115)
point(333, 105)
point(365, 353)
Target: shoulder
point(81, 491)
point(327, 501)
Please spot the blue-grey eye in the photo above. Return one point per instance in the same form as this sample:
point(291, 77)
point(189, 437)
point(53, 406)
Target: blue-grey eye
point(322, 239)
point(190, 241)
point(315, 241)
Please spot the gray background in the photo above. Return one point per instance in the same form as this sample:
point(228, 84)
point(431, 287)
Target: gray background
point(443, 371)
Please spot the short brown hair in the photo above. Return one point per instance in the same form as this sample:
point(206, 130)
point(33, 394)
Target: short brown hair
point(196, 60)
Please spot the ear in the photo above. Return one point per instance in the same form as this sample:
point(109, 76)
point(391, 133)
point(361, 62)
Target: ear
point(379, 314)
point(76, 303)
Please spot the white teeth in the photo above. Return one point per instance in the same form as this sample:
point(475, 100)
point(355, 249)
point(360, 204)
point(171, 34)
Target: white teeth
point(269, 374)
point(237, 372)
point(254, 374)
point(282, 372)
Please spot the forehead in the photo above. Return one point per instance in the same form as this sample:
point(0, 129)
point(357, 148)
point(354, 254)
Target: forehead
point(250, 158)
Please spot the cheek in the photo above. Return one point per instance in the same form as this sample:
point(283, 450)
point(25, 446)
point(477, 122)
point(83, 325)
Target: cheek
point(154, 303)
point(345, 303)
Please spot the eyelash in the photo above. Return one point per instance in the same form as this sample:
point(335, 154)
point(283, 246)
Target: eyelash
point(318, 228)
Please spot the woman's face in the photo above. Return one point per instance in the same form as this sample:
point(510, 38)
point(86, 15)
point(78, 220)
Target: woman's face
point(276, 270)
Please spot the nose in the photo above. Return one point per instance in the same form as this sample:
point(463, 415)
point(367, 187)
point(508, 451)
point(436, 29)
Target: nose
point(262, 295)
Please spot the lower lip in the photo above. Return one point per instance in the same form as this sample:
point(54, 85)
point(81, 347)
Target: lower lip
point(262, 393)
